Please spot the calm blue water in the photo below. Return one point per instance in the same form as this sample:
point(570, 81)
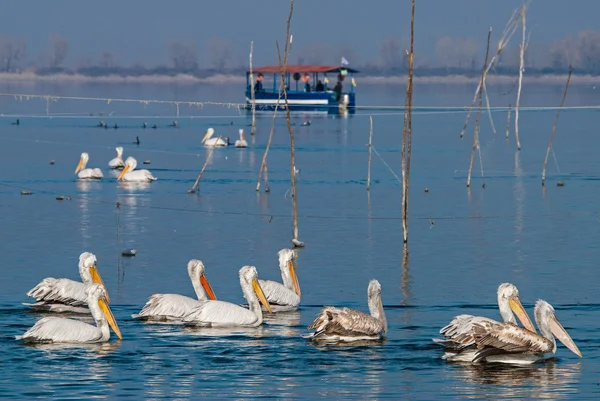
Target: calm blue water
point(544, 241)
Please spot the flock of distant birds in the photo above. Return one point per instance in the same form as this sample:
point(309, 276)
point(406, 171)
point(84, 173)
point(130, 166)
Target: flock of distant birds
point(468, 338)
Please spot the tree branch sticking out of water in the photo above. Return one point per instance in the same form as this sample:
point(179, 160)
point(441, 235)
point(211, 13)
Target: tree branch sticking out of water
point(407, 129)
point(263, 165)
point(252, 91)
point(370, 151)
point(476, 129)
point(554, 127)
point(508, 123)
point(521, 69)
point(286, 52)
point(507, 34)
point(208, 157)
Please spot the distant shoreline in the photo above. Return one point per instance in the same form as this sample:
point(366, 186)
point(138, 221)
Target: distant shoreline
point(185, 79)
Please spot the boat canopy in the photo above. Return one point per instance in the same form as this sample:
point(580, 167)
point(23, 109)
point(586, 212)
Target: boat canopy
point(292, 69)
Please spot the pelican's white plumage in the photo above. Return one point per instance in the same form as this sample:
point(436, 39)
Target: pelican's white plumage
point(508, 343)
point(225, 314)
point(61, 330)
point(283, 297)
point(347, 325)
point(87, 173)
point(209, 141)
point(241, 143)
point(128, 174)
point(117, 162)
point(459, 337)
point(65, 295)
point(174, 307)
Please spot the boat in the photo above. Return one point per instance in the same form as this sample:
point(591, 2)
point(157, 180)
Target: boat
point(311, 91)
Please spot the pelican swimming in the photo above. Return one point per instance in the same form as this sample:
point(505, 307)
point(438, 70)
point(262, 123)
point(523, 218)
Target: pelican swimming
point(173, 307)
point(507, 343)
point(209, 141)
point(65, 295)
point(61, 330)
point(241, 143)
point(128, 173)
point(87, 173)
point(225, 314)
point(117, 162)
point(347, 325)
point(459, 338)
point(283, 297)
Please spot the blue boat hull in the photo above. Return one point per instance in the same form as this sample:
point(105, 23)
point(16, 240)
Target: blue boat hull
point(301, 101)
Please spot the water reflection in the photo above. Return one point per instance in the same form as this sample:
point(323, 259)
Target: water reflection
point(134, 186)
point(548, 380)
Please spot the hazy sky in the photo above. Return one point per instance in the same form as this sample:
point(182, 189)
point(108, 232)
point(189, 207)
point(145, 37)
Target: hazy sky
point(139, 30)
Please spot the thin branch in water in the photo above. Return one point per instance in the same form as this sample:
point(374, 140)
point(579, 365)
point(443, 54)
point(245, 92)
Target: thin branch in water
point(487, 102)
point(521, 69)
point(554, 126)
point(252, 90)
point(508, 123)
point(476, 130)
point(370, 151)
point(263, 165)
point(208, 157)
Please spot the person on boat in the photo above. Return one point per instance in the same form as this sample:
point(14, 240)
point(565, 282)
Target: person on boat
point(338, 89)
point(306, 79)
point(307, 87)
point(320, 87)
point(258, 86)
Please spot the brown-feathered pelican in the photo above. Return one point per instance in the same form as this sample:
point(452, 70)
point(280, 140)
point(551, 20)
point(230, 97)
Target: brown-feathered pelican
point(345, 325)
point(174, 307)
point(283, 297)
point(459, 338)
point(225, 314)
point(61, 330)
point(87, 173)
point(66, 295)
point(507, 343)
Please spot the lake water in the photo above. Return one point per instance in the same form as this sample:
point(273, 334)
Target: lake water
point(542, 240)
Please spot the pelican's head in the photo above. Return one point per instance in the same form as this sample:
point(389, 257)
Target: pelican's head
point(119, 150)
point(88, 270)
point(130, 165)
point(241, 134)
point(82, 162)
point(287, 259)
point(97, 293)
point(375, 303)
point(509, 295)
point(209, 133)
point(249, 277)
point(196, 272)
point(545, 317)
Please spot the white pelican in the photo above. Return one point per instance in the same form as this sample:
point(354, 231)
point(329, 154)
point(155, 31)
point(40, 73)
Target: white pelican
point(128, 173)
point(173, 307)
point(507, 343)
point(61, 330)
point(117, 162)
point(87, 173)
point(459, 333)
point(283, 297)
point(225, 314)
point(241, 143)
point(65, 295)
point(347, 325)
point(208, 141)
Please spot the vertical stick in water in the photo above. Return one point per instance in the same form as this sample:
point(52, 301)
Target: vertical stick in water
point(263, 165)
point(370, 151)
point(476, 130)
point(521, 69)
point(193, 188)
point(508, 123)
point(554, 126)
point(252, 90)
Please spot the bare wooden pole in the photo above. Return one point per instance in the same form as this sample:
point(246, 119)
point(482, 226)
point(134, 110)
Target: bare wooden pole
point(407, 129)
point(252, 91)
point(263, 165)
point(521, 69)
point(554, 126)
point(476, 130)
point(508, 123)
point(370, 151)
point(208, 157)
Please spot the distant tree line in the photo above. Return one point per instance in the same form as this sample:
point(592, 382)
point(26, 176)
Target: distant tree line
point(451, 56)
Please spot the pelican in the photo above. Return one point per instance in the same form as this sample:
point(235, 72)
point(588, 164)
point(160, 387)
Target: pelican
point(283, 297)
point(241, 143)
point(459, 333)
point(61, 330)
point(117, 162)
point(65, 295)
point(507, 343)
point(209, 141)
point(225, 314)
point(87, 173)
point(173, 307)
point(128, 173)
point(347, 325)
